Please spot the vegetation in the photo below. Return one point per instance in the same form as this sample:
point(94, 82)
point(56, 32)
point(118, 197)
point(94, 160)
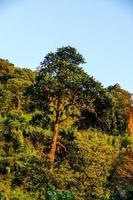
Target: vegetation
point(63, 136)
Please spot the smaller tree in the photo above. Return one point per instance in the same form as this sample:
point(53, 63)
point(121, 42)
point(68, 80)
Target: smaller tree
point(122, 104)
point(6, 70)
point(18, 86)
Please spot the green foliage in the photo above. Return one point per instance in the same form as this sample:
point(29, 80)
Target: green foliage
point(122, 103)
point(61, 85)
point(51, 194)
point(94, 152)
point(13, 84)
point(111, 115)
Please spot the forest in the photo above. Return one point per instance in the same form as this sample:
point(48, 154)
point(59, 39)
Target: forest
point(63, 135)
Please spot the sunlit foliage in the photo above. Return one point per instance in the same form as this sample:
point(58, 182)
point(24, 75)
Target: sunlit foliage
point(92, 153)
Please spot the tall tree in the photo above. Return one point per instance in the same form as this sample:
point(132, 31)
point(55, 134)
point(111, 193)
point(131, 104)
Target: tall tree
point(63, 88)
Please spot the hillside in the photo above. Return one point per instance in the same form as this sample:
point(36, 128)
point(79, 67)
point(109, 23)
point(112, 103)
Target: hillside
point(63, 135)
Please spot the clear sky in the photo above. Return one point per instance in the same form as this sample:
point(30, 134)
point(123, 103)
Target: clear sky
point(101, 30)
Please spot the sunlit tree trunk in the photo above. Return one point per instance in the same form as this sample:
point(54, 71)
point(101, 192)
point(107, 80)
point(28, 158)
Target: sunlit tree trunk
point(19, 103)
point(53, 145)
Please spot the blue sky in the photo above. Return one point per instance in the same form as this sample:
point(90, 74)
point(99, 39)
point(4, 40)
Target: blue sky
point(101, 30)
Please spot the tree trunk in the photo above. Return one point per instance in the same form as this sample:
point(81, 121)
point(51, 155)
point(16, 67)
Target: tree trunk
point(53, 146)
point(19, 103)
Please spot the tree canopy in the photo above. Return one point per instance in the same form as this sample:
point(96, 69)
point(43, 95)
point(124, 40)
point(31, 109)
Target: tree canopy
point(65, 89)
